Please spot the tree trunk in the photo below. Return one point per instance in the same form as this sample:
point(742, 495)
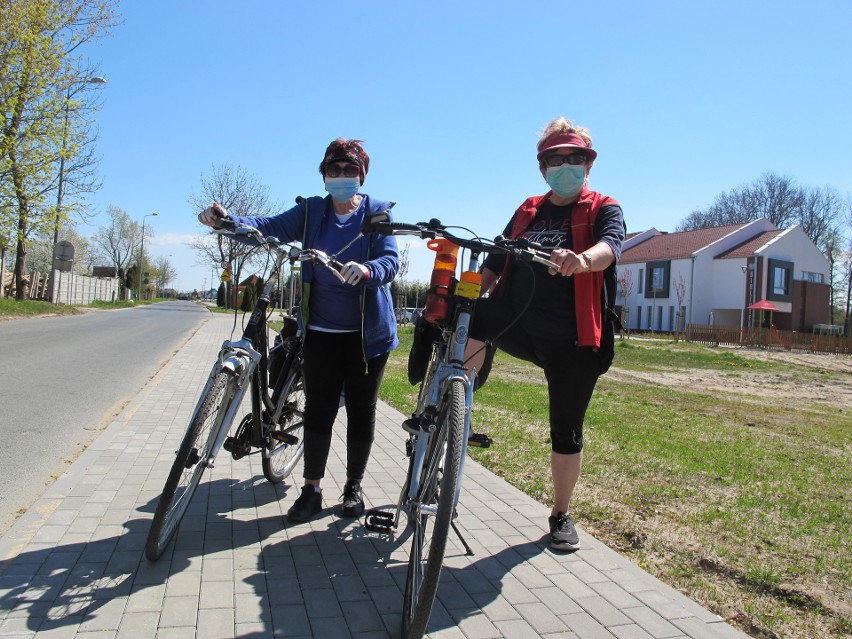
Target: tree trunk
point(2, 269)
point(22, 284)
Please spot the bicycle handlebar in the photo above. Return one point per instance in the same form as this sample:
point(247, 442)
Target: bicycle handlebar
point(520, 247)
point(227, 226)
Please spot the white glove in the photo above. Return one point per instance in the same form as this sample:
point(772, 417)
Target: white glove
point(353, 273)
point(210, 215)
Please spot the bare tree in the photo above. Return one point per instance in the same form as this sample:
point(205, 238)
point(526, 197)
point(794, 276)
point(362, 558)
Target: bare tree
point(116, 242)
point(625, 288)
point(781, 201)
point(820, 214)
point(402, 297)
point(241, 194)
point(680, 291)
point(164, 272)
point(774, 197)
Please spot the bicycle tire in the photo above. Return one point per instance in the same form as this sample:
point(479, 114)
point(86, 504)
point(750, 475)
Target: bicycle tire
point(424, 571)
point(280, 461)
point(189, 465)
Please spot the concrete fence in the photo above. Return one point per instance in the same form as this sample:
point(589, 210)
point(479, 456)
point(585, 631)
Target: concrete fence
point(70, 288)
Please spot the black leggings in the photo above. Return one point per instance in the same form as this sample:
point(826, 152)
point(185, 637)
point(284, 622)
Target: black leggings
point(571, 371)
point(332, 361)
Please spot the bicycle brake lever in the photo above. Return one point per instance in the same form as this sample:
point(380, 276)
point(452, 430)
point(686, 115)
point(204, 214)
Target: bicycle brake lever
point(337, 268)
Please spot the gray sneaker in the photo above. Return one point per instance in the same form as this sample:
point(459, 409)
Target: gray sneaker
point(563, 535)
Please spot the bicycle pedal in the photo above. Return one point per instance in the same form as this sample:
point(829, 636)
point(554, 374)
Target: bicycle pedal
point(380, 521)
point(237, 447)
point(479, 440)
point(284, 438)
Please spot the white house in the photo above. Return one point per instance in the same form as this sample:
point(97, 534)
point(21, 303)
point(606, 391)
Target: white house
point(712, 275)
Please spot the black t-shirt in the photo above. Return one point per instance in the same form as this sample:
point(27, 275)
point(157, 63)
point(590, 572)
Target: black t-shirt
point(551, 297)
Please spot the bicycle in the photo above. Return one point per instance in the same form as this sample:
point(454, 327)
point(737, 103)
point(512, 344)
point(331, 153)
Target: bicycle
point(440, 428)
point(275, 424)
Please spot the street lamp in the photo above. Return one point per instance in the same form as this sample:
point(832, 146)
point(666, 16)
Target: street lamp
point(61, 182)
point(142, 252)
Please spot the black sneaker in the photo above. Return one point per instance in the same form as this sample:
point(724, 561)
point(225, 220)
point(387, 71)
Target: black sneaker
point(307, 505)
point(353, 499)
point(563, 535)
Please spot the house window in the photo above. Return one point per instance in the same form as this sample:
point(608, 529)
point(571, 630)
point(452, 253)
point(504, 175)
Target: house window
point(650, 317)
point(780, 281)
point(671, 318)
point(657, 280)
point(808, 276)
point(638, 317)
point(641, 281)
point(780, 285)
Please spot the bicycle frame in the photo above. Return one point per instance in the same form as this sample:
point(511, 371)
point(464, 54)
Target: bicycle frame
point(449, 366)
point(241, 359)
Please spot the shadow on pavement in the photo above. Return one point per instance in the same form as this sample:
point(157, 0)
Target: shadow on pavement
point(67, 585)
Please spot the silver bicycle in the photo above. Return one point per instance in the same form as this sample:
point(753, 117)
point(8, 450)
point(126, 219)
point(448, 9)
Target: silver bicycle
point(273, 427)
point(440, 428)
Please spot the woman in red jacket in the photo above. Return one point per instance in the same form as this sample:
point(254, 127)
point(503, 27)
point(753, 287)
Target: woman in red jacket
point(565, 330)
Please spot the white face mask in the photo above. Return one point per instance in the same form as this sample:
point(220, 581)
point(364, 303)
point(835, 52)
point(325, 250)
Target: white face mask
point(566, 180)
point(342, 188)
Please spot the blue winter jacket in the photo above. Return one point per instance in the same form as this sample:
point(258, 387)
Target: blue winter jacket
point(379, 253)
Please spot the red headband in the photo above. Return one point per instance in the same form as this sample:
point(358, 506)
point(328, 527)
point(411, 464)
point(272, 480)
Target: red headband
point(566, 141)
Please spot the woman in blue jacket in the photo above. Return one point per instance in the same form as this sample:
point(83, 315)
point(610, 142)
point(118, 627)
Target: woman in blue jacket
point(350, 328)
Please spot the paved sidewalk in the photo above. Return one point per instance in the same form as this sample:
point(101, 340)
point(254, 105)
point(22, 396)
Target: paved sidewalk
point(73, 565)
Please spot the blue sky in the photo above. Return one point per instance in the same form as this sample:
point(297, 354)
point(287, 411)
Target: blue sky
point(683, 100)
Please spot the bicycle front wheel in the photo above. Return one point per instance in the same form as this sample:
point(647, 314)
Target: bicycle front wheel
point(288, 443)
point(189, 465)
point(432, 512)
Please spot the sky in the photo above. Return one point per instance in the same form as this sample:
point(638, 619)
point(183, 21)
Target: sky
point(684, 100)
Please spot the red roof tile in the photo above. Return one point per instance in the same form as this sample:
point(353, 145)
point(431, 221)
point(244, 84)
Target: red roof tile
point(747, 248)
point(674, 246)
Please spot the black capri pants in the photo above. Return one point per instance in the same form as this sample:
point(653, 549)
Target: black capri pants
point(571, 371)
point(332, 361)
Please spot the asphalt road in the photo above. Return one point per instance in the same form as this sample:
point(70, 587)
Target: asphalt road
point(63, 378)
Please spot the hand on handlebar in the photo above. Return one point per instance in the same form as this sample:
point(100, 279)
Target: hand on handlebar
point(354, 273)
point(212, 214)
point(569, 262)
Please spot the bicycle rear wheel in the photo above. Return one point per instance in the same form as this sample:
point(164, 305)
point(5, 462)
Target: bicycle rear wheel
point(438, 484)
point(190, 462)
point(287, 448)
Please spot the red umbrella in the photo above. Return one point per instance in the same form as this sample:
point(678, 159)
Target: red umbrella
point(763, 305)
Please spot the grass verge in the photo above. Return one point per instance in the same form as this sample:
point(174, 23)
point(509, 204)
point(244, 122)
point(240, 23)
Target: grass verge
point(739, 501)
point(33, 308)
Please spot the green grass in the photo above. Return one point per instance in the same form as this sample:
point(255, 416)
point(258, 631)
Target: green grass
point(25, 308)
point(741, 502)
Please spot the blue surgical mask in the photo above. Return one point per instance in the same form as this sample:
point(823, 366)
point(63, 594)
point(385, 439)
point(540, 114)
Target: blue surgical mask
point(342, 188)
point(566, 180)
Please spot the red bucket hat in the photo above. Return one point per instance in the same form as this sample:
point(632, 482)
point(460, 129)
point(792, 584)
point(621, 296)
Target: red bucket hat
point(565, 141)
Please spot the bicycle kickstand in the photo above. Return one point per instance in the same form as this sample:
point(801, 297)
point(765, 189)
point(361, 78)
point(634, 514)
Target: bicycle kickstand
point(468, 550)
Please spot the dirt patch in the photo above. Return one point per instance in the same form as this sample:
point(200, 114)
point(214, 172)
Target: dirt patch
point(810, 378)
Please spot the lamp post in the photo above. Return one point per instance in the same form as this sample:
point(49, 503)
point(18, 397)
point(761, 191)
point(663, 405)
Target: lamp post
point(142, 252)
point(60, 184)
